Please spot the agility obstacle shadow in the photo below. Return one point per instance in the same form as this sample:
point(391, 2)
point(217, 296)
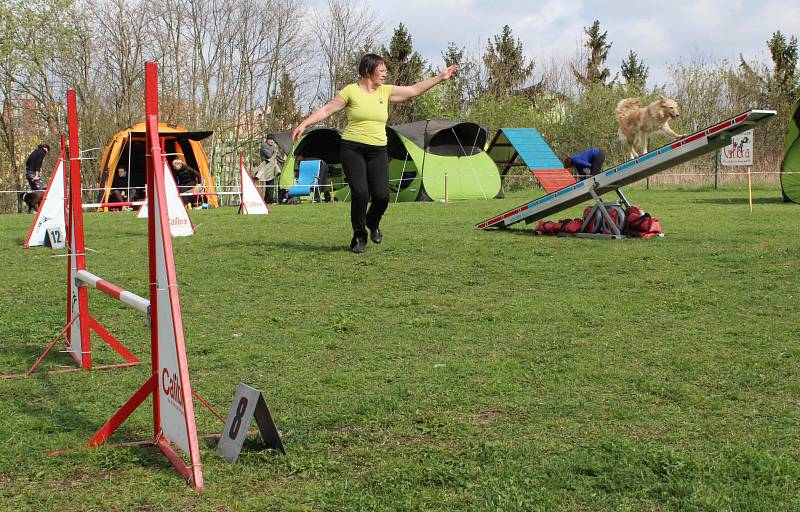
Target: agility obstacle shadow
point(686, 148)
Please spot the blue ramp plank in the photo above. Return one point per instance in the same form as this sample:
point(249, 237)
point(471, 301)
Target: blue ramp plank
point(532, 148)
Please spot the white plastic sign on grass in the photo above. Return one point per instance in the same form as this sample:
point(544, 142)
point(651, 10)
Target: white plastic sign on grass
point(179, 222)
point(739, 151)
point(252, 202)
point(51, 211)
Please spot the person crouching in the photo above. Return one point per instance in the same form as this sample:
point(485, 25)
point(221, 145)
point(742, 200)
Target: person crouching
point(189, 181)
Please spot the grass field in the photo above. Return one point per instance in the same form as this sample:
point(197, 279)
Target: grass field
point(446, 369)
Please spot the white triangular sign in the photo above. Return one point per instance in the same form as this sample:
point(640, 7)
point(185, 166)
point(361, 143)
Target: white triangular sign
point(179, 222)
point(51, 210)
point(252, 202)
point(172, 406)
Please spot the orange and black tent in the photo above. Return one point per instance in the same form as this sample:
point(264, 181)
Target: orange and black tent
point(126, 149)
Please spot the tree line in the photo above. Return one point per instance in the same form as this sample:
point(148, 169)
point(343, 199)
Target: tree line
point(243, 68)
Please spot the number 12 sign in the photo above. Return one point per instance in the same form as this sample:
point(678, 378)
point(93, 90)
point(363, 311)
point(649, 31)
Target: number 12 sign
point(248, 402)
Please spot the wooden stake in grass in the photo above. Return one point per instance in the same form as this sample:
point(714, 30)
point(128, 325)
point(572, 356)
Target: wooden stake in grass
point(750, 189)
point(445, 188)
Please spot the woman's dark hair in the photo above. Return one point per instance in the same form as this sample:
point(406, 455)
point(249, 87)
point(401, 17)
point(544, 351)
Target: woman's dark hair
point(567, 161)
point(368, 64)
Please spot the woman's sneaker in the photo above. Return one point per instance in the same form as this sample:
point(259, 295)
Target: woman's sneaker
point(357, 245)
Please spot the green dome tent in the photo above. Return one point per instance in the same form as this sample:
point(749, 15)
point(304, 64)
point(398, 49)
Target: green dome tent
point(320, 143)
point(790, 168)
point(420, 153)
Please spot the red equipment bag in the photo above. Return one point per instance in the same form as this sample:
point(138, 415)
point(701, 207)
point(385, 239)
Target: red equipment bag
point(617, 215)
point(634, 212)
point(548, 227)
point(593, 226)
point(572, 226)
point(641, 224)
point(599, 224)
point(653, 230)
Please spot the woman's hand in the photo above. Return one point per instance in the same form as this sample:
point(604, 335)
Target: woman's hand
point(402, 93)
point(449, 72)
point(298, 132)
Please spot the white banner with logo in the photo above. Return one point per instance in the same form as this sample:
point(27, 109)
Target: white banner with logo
point(171, 409)
point(739, 151)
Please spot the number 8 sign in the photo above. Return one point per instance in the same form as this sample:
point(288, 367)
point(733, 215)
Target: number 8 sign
point(248, 402)
point(236, 424)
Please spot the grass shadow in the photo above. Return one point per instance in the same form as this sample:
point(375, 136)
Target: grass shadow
point(304, 246)
point(737, 200)
point(64, 416)
point(512, 231)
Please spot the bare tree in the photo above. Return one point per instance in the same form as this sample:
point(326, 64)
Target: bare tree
point(121, 30)
point(286, 50)
point(171, 37)
point(31, 89)
point(345, 30)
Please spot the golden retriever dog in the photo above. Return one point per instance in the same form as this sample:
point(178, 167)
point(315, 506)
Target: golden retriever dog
point(637, 123)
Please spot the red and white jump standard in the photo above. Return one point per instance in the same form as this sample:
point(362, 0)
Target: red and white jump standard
point(78, 278)
point(168, 384)
point(79, 322)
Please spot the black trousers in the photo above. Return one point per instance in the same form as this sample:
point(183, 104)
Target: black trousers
point(597, 163)
point(195, 200)
point(34, 181)
point(270, 189)
point(367, 170)
point(597, 166)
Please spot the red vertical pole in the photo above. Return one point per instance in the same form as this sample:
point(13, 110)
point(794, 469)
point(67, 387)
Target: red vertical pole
point(76, 220)
point(153, 152)
point(242, 208)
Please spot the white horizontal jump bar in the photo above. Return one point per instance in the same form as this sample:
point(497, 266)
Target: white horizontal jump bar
point(113, 291)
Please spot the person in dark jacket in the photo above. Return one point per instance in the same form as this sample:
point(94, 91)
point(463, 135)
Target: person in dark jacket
point(586, 163)
point(188, 180)
point(119, 189)
point(33, 167)
point(269, 171)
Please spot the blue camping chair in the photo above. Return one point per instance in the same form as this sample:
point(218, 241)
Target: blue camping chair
point(307, 180)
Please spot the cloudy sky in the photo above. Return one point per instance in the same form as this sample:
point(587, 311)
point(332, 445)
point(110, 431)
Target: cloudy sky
point(662, 34)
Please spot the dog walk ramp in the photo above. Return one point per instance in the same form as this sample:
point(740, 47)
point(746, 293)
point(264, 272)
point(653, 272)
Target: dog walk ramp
point(525, 147)
point(686, 148)
point(553, 179)
point(512, 144)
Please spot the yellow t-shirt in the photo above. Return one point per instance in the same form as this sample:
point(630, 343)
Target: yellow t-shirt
point(367, 114)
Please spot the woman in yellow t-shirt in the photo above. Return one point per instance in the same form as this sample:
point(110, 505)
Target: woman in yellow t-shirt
point(363, 149)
